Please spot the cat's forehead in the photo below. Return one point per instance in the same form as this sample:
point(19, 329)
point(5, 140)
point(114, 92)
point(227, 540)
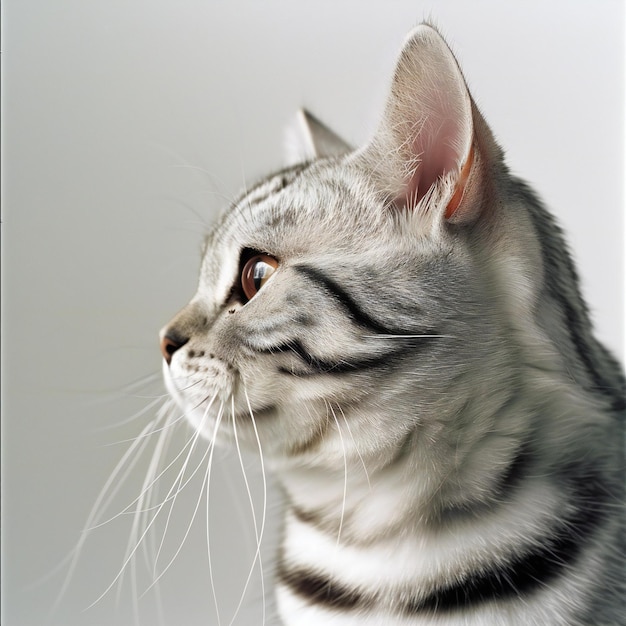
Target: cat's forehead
point(270, 185)
point(320, 204)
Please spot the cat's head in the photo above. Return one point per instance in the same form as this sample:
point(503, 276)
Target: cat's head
point(350, 299)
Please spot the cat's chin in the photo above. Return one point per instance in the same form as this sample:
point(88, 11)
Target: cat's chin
point(214, 421)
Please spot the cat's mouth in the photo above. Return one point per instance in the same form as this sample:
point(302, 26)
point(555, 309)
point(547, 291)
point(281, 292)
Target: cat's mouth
point(194, 384)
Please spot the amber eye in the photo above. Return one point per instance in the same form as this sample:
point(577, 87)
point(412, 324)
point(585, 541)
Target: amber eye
point(256, 272)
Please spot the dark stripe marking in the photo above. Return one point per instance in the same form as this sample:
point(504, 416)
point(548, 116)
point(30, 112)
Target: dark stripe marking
point(344, 366)
point(531, 571)
point(281, 179)
point(508, 481)
point(318, 589)
point(314, 440)
point(306, 516)
point(559, 263)
point(513, 475)
point(348, 303)
point(521, 577)
point(322, 366)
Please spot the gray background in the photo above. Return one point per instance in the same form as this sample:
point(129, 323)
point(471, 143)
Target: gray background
point(127, 126)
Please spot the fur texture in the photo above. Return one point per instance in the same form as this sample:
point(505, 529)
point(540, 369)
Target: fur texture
point(420, 373)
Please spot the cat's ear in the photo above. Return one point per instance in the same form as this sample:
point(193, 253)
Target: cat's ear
point(308, 139)
point(424, 146)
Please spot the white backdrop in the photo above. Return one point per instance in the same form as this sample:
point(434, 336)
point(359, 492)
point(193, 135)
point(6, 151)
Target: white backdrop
point(127, 125)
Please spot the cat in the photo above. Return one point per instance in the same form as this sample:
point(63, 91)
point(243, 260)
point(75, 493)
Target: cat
point(399, 329)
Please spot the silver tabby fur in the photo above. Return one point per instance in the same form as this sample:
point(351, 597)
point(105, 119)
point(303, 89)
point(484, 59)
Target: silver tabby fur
point(422, 374)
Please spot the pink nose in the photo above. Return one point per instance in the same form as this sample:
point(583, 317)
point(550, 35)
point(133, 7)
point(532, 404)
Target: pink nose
point(169, 344)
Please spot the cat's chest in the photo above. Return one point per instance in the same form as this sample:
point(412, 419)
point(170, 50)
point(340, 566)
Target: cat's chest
point(403, 576)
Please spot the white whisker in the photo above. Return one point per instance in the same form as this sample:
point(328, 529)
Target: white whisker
point(107, 493)
point(264, 478)
point(138, 542)
point(138, 516)
point(141, 382)
point(208, 535)
point(156, 479)
point(345, 474)
point(345, 421)
point(125, 391)
point(169, 424)
point(258, 533)
point(135, 416)
point(150, 546)
point(179, 480)
point(187, 531)
point(138, 526)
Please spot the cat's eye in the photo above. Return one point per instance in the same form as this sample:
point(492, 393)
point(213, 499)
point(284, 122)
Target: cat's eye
point(256, 272)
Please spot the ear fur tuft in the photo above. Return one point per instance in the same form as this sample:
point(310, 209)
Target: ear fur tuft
point(424, 150)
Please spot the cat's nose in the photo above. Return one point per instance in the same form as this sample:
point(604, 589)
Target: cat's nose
point(170, 342)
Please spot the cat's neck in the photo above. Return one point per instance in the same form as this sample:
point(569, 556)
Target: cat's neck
point(424, 486)
point(355, 499)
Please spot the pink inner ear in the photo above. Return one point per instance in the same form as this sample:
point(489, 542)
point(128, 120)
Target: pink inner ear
point(435, 149)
